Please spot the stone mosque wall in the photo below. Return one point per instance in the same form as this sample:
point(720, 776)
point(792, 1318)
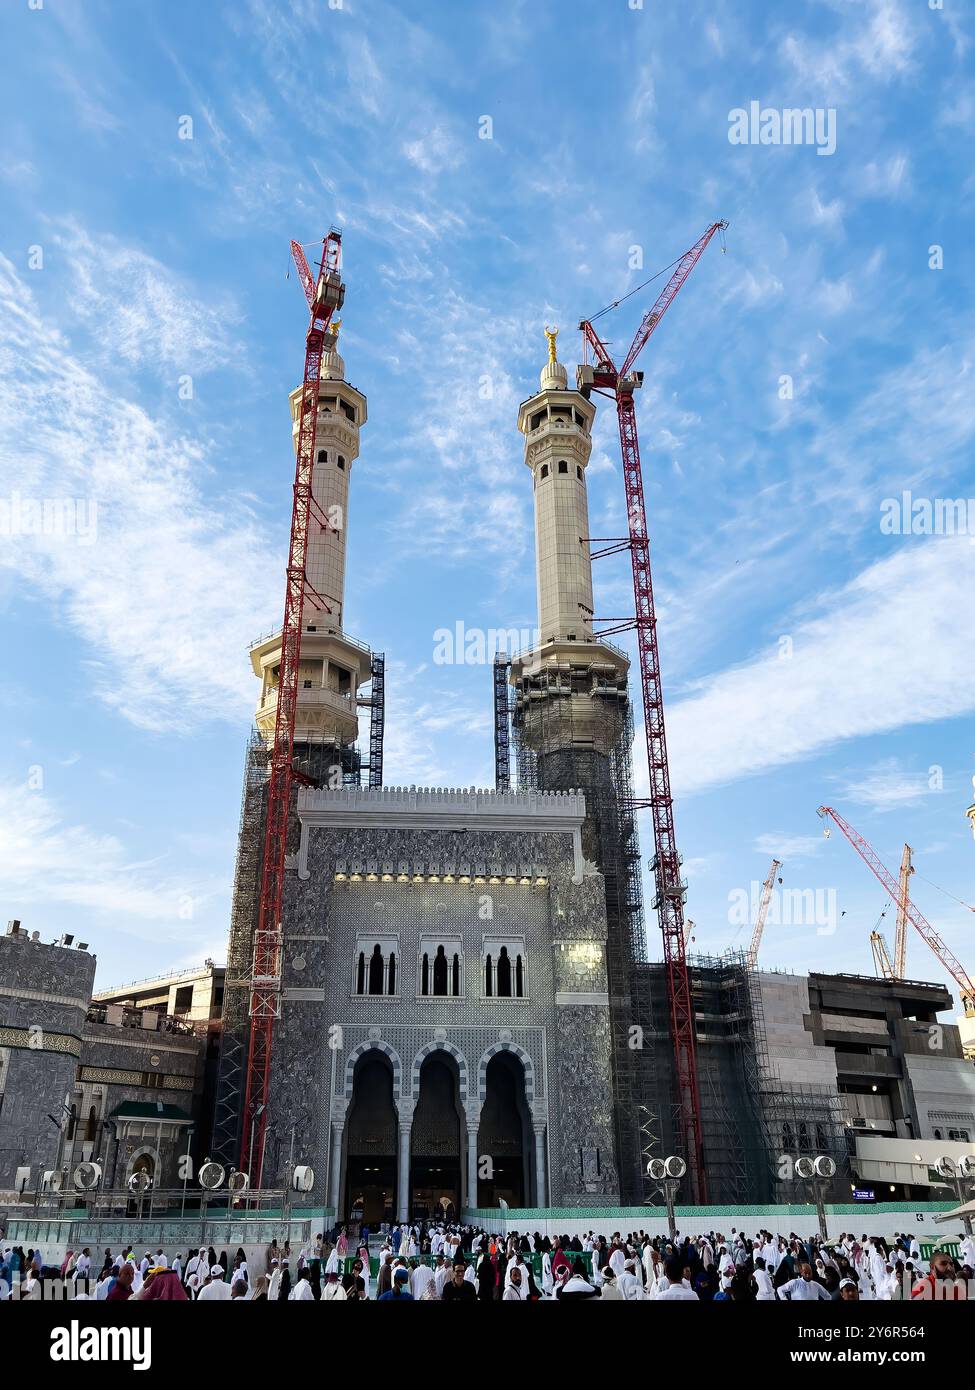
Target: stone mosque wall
point(383, 878)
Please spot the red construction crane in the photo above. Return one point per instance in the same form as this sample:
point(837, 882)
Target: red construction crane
point(325, 295)
point(767, 887)
point(898, 891)
point(620, 383)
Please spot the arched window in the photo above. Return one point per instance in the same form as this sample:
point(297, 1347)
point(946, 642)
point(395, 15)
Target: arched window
point(391, 988)
point(504, 974)
point(323, 456)
point(544, 470)
point(563, 466)
point(376, 971)
point(425, 975)
point(440, 971)
point(519, 978)
point(342, 463)
point(360, 974)
point(92, 1124)
point(487, 977)
point(455, 982)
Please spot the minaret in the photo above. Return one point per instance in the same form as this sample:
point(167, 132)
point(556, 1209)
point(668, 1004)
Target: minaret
point(557, 423)
point(573, 731)
point(333, 664)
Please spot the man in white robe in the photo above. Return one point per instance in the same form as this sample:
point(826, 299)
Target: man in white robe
point(302, 1291)
point(333, 1292)
point(630, 1285)
point(420, 1280)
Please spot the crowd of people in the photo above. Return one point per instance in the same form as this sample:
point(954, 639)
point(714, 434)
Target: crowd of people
point(420, 1262)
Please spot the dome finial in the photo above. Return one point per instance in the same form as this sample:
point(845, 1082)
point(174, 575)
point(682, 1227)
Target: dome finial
point(551, 334)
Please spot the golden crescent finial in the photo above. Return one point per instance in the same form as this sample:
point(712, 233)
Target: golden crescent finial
point(551, 334)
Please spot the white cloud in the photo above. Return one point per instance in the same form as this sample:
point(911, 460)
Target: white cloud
point(887, 787)
point(841, 681)
point(880, 46)
point(138, 309)
point(886, 180)
point(46, 859)
point(174, 586)
point(433, 152)
point(788, 848)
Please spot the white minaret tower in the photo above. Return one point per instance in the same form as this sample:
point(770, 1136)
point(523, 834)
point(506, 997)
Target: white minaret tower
point(333, 664)
point(557, 425)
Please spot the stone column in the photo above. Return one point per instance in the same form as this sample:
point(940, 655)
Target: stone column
point(473, 1125)
point(335, 1169)
point(339, 1112)
point(403, 1155)
point(541, 1193)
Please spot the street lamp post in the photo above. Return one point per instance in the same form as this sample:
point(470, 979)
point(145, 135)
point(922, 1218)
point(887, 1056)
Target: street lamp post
point(818, 1171)
point(186, 1170)
point(960, 1174)
point(668, 1173)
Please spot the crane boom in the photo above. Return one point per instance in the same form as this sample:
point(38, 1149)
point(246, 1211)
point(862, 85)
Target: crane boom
point(304, 274)
point(670, 888)
point(766, 898)
point(881, 956)
point(920, 924)
point(667, 295)
point(324, 296)
point(900, 936)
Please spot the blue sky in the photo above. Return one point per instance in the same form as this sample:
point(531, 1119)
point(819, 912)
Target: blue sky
point(133, 260)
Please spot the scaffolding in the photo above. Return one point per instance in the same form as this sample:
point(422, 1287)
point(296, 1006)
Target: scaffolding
point(732, 1055)
point(320, 762)
point(377, 719)
point(502, 723)
point(243, 921)
point(572, 728)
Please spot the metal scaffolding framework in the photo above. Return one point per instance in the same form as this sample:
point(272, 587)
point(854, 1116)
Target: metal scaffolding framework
point(502, 723)
point(240, 946)
point(573, 730)
point(377, 719)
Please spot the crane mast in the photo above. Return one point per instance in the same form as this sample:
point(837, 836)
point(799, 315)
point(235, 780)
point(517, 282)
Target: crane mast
point(900, 936)
point(325, 295)
point(920, 924)
point(602, 375)
point(766, 898)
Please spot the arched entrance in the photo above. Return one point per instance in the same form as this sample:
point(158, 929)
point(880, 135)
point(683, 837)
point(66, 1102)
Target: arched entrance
point(435, 1140)
point(370, 1142)
point(504, 1135)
